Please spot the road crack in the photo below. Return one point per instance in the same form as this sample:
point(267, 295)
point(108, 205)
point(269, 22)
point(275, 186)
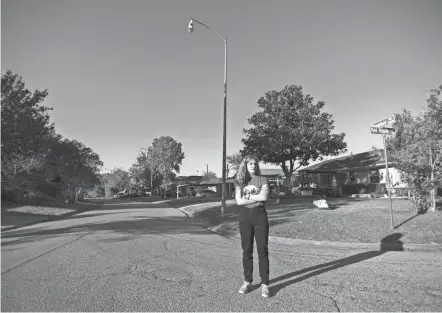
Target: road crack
point(335, 302)
point(132, 268)
point(47, 252)
point(330, 297)
point(168, 249)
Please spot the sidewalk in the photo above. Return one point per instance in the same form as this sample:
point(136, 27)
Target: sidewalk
point(355, 223)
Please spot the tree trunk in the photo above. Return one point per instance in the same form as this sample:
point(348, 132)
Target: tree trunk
point(288, 178)
point(78, 193)
point(433, 190)
point(433, 194)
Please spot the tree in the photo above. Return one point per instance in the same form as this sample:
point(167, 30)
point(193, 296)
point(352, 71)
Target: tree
point(291, 130)
point(166, 153)
point(97, 192)
point(25, 127)
point(416, 150)
point(75, 165)
point(115, 181)
point(408, 151)
point(208, 175)
point(234, 161)
point(122, 179)
point(433, 128)
point(36, 160)
point(145, 170)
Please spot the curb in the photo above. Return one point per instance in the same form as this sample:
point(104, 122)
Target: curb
point(186, 213)
point(209, 205)
point(183, 209)
point(47, 219)
point(223, 232)
point(433, 247)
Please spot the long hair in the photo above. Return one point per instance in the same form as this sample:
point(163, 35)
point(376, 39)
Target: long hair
point(243, 176)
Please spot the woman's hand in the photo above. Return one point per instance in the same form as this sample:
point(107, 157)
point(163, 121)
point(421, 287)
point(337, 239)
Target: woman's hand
point(262, 196)
point(242, 200)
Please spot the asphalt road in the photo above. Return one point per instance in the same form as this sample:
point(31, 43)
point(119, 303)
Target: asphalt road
point(144, 258)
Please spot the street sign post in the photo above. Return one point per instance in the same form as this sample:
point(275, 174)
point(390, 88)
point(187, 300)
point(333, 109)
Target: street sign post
point(379, 128)
point(388, 183)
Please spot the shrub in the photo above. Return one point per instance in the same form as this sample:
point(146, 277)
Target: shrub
point(377, 190)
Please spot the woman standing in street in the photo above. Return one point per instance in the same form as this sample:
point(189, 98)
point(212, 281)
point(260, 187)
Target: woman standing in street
point(252, 192)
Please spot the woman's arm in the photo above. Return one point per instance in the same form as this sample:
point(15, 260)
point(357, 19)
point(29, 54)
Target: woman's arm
point(239, 199)
point(263, 194)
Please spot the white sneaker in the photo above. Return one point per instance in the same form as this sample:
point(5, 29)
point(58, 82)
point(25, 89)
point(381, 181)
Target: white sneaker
point(245, 288)
point(265, 291)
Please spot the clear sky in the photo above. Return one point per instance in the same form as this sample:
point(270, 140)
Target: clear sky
point(121, 73)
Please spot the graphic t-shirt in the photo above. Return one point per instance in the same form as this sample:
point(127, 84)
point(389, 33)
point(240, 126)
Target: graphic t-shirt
point(254, 187)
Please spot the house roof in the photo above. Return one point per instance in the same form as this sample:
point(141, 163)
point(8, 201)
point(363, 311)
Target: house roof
point(211, 181)
point(192, 177)
point(189, 180)
point(365, 160)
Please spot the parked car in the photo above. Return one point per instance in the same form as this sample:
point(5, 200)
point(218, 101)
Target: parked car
point(120, 195)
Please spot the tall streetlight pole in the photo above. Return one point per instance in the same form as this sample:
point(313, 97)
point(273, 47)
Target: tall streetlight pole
point(223, 190)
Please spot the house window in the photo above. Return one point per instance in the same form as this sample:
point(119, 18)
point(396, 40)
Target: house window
point(353, 177)
point(374, 177)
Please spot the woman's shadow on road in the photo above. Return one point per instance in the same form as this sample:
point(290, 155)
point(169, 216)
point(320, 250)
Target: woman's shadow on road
point(388, 243)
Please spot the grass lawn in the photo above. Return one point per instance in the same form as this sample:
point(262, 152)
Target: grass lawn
point(349, 220)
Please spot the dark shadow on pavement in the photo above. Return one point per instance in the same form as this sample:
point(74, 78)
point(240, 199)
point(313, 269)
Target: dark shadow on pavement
point(157, 204)
point(392, 243)
point(388, 243)
point(133, 205)
point(333, 206)
point(134, 227)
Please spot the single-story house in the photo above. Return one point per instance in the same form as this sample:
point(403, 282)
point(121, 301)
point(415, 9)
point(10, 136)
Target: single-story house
point(362, 168)
point(182, 183)
point(215, 184)
point(276, 177)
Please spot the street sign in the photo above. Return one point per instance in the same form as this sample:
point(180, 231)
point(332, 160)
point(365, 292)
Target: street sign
point(385, 121)
point(382, 130)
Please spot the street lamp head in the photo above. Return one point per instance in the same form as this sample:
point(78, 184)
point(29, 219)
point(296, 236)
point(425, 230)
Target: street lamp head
point(190, 28)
